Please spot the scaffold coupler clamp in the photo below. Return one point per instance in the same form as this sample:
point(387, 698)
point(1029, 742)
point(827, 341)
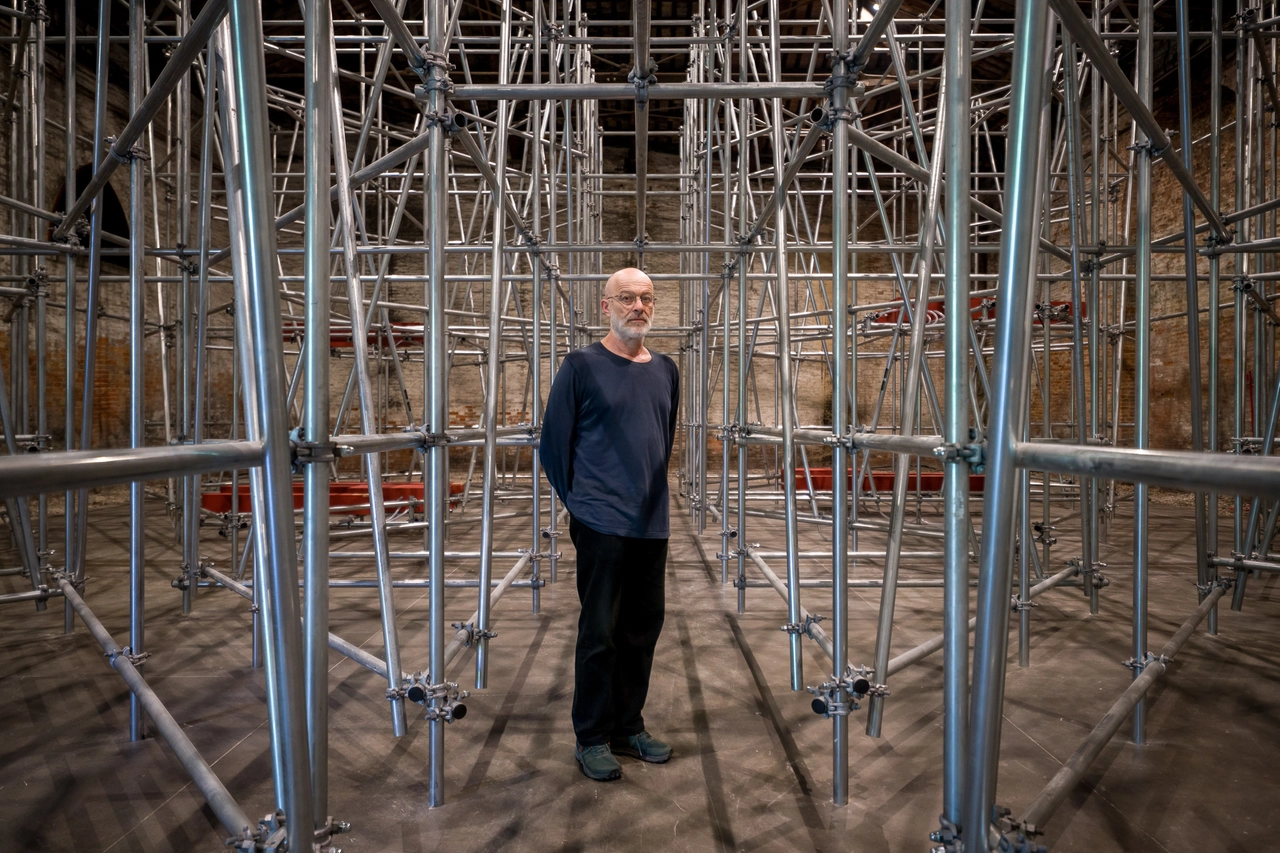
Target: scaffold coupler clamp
point(947, 837)
point(1147, 147)
point(434, 439)
point(731, 553)
point(728, 30)
point(444, 702)
point(38, 282)
point(796, 628)
point(975, 453)
point(189, 575)
point(1139, 665)
point(829, 697)
point(845, 441)
point(127, 653)
point(1218, 581)
point(135, 152)
point(310, 452)
point(1042, 533)
point(325, 834)
point(853, 66)
point(414, 688)
point(642, 81)
point(62, 575)
point(1017, 605)
point(1093, 577)
point(1213, 242)
point(271, 835)
point(1016, 836)
point(437, 66)
point(473, 633)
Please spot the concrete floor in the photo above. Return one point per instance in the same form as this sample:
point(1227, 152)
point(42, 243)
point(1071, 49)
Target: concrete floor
point(752, 769)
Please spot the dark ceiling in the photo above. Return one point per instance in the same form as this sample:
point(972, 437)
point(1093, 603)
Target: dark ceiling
point(606, 19)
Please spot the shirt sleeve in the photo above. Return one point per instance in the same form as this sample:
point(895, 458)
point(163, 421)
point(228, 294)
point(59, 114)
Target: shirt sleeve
point(555, 446)
point(675, 409)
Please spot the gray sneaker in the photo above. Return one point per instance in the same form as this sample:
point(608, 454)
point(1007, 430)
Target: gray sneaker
point(643, 746)
point(597, 762)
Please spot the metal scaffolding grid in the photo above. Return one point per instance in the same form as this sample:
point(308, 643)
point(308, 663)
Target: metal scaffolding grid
point(938, 217)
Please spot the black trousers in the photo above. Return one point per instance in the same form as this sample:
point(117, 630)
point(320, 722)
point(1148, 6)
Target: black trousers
point(622, 587)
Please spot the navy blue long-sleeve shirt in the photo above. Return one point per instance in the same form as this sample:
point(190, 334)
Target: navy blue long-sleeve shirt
point(606, 440)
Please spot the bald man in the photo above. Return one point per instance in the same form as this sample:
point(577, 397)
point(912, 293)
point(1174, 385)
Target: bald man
point(606, 443)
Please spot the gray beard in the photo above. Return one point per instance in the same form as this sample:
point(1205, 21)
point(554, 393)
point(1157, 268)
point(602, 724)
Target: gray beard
point(629, 333)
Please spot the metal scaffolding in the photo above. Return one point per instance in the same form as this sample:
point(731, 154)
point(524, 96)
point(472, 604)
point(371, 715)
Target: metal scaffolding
point(905, 255)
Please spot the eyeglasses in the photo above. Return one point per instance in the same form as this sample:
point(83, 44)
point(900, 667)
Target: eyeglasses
point(629, 299)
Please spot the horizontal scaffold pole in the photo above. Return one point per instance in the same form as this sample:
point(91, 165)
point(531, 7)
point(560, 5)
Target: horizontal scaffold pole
point(42, 473)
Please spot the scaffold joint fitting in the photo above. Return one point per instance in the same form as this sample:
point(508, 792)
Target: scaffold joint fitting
point(312, 452)
point(793, 628)
point(947, 836)
point(811, 620)
point(1139, 665)
point(1042, 533)
point(1017, 836)
point(271, 835)
point(435, 439)
point(135, 152)
point(729, 31)
point(830, 696)
point(974, 453)
point(127, 654)
point(324, 835)
point(445, 702)
point(642, 81)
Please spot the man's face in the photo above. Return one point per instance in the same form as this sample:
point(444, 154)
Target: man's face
point(630, 322)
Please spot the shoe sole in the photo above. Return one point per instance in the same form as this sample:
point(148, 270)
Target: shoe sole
point(615, 775)
point(635, 753)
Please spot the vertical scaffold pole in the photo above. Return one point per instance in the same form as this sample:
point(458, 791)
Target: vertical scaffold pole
point(1142, 360)
point(273, 505)
point(137, 358)
point(1018, 243)
point(914, 358)
point(743, 363)
point(1215, 276)
point(363, 374)
point(437, 494)
point(318, 88)
point(955, 498)
point(839, 399)
point(535, 312)
point(91, 290)
point(494, 367)
point(69, 326)
point(785, 387)
point(1193, 281)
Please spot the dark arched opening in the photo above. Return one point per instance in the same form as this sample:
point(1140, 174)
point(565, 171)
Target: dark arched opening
point(114, 220)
